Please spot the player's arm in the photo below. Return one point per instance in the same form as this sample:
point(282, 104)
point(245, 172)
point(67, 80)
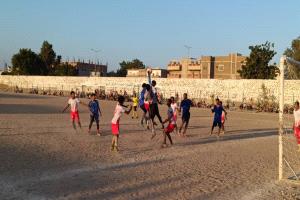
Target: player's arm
point(149, 78)
point(65, 108)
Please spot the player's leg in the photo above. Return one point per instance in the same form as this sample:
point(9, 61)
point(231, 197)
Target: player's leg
point(170, 139)
point(91, 122)
point(98, 127)
point(117, 143)
point(156, 111)
point(187, 120)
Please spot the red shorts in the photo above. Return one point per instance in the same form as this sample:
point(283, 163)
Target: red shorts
point(297, 133)
point(115, 129)
point(75, 115)
point(170, 128)
point(147, 106)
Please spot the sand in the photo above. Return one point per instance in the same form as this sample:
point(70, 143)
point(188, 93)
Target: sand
point(42, 157)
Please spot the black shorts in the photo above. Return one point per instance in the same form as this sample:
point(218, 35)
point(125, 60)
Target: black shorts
point(217, 123)
point(186, 117)
point(94, 118)
point(134, 108)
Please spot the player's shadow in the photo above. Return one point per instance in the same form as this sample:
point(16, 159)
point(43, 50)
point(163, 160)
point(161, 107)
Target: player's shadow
point(254, 133)
point(27, 109)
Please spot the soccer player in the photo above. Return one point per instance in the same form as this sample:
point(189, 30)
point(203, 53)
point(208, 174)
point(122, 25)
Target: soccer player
point(217, 109)
point(154, 105)
point(115, 122)
point(73, 102)
point(141, 103)
point(223, 118)
point(135, 102)
point(296, 126)
point(175, 109)
point(94, 113)
point(185, 106)
point(171, 124)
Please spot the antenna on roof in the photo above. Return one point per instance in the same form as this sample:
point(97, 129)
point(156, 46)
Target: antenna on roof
point(188, 49)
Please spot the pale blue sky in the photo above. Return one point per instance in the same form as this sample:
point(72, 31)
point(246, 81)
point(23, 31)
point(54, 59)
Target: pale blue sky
point(154, 31)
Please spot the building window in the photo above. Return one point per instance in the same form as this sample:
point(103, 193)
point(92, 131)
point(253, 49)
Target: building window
point(220, 68)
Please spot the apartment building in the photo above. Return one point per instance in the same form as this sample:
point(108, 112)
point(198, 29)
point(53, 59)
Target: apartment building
point(206, 67)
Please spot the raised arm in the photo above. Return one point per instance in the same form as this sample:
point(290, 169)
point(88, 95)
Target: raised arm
point(149, 78)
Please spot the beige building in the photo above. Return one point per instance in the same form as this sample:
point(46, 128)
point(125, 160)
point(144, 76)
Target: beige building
point(89, 69)
point(156, 73)
point(205, 67)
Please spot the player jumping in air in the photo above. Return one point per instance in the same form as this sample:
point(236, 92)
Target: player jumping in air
point(171, 124)
point(73, 102)
point(94, 113)
point(154, 105)
point(217, 109)
point(185, 106)
point(296, 126)
point(115, 122)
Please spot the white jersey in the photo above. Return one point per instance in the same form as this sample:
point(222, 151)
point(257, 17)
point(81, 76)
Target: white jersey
point(174, 108)
point(118, 113)
point(74, 104)
point(297, 117)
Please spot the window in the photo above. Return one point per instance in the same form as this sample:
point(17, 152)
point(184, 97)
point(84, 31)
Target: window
point(220, 68)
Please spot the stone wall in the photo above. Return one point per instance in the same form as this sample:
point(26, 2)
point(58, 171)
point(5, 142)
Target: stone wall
point(235, 90)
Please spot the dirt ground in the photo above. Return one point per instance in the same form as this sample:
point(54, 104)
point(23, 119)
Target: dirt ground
point(43, 157)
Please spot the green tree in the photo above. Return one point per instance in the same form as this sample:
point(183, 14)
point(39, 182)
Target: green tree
point(124, 65)
point(257, 64)
point(65, 70)
point(26, 62)
point(294, 50)
point(48, 55)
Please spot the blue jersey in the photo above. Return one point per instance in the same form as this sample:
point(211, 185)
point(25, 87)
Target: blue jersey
point(94, 107)
point(142, 97)
point(185, 106)
point(217, 109)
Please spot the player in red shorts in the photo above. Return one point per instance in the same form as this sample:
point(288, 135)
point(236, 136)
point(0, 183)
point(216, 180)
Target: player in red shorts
point(115, 122)
point(73, 102)
point(170, 128)
point(296, 126)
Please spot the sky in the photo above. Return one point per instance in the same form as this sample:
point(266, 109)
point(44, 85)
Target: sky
point(153, 31)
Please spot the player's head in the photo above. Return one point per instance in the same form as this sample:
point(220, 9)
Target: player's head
point(296, 105)
point(72, 94)
point(144, 85)
point(172, 99)
point(93, 96)
point(148, 87)
point(153, 83)
point(121, 99)
point(169, 102)
point(217, 101)
point(134, 94)
point(185, 96)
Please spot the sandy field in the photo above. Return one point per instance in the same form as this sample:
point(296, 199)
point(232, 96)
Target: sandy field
point(43, 157)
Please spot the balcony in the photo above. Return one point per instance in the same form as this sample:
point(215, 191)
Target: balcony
point(174, 67)
point(194, 67)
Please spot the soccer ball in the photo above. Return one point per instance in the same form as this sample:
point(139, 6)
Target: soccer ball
point(149, 70)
